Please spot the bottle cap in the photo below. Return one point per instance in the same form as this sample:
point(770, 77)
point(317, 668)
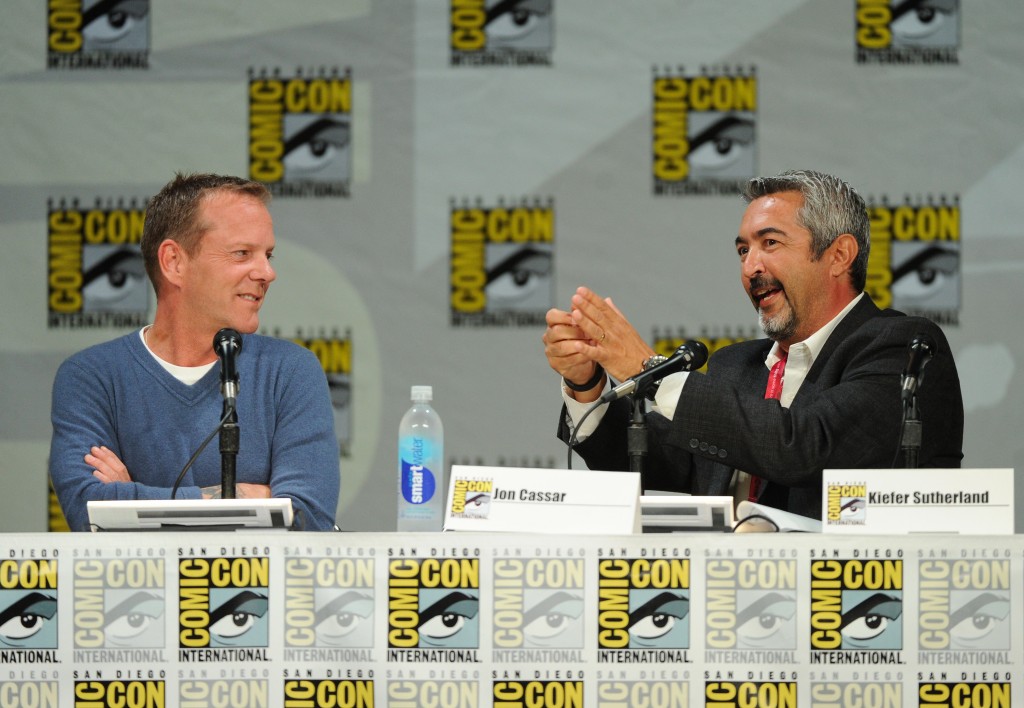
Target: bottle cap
point(422, 394)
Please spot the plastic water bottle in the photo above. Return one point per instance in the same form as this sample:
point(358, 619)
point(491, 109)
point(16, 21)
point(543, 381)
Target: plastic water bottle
point(421, 479)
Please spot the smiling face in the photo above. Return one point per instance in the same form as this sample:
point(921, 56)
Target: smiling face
point(793, 294)
point(225, 282)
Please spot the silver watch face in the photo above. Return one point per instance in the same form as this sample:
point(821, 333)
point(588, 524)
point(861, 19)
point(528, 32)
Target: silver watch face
point(654, 361)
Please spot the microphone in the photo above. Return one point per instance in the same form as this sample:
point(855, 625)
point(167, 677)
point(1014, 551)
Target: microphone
point(689, 356)
point(922, 349)
point(228, 344)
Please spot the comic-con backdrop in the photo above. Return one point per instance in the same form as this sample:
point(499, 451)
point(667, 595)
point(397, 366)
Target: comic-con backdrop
point(445, 171)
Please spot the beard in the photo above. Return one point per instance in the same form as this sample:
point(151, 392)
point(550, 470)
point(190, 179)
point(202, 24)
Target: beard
point(781, 325)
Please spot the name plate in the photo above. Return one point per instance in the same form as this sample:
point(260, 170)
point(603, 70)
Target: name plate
point(964, 501)
point(533, 500)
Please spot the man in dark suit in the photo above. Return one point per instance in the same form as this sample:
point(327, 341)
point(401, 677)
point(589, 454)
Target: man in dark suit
point(834, 360)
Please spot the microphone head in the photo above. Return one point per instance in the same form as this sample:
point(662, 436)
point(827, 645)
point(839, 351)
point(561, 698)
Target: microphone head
point(923, 342)
point(227, 341)
point(695, 353)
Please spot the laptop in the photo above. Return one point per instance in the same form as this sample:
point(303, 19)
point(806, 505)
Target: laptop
point(189, 514)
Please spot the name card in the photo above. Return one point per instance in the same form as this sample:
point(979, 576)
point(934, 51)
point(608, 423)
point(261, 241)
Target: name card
point(964, 501)
point(533, 500)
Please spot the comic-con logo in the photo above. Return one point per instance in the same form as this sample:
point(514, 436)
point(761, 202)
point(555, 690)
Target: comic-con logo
point(965, 694)
point(751, 605)
point(964, 606)
point(96, 277)
point(856, 604)
point(501, 32)
point(119, 603)
point(28, 610)
point(300, 132)
point(223, 603)
point(730, 694)
point(433, 604)
point(407, 693)
point(667, 340)
point(643, 609)
point(335, 355)
point(907, 31)
point(97, 34)
point(502, 263)
point(914, 264)
point(833, 694)
point(538, 603)
point(471, 498)
point(550, 694)
point(703, 130)
point(302, 693)
point(118, 692)
point(222, 692)
point(846, 504)
point(328, 602)
point(37, 694)
point(674, 693)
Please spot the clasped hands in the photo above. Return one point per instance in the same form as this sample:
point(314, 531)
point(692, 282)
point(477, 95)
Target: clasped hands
point(592, 332)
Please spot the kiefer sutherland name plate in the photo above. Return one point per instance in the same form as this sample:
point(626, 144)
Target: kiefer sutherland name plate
point(965, 501)
point(535, 500)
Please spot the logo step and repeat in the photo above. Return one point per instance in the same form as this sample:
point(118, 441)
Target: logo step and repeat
point(97, 34)
point(492, 620)
point(899, 32)
point(501, 33)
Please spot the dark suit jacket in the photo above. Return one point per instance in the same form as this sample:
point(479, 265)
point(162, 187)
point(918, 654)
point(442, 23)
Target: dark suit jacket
point(847, 414)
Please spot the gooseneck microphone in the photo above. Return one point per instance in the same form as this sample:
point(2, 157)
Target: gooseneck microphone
point(689, 356)
point(922, 349)
point(227, 343)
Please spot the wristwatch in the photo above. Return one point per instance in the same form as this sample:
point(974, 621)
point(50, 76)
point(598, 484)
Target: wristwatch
point(653, 361)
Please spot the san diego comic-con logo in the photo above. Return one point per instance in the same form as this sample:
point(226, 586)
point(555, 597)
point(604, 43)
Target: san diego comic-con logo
point(305, 692)
point(671, 692)
point(328, 607)
point(501, 32)
point(92, 691)
point(907, 31)
point(434, 609)
point(857, 692)
point(502, 262)
point(119, 609)
point(96, 277)
point(226, 690)
point(703, 130)
point(643, 612)
point(438, 691)
point(548, 693)
point(538, 609)
point(964, 610)
point(28, 610)
point(98, 34)
point(857, 610)
point(223, 607)
point(724, 691)
point(846, 504)
point(335, 354)
point(915, 264)
point(471, 498)
point(750, 610)
point(42, 692)
point(933, 689)
point(300, 130)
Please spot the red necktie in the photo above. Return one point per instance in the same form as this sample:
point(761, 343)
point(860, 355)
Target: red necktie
point(774, 390)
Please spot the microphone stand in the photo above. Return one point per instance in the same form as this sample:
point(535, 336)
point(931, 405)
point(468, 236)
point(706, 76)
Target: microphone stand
point(636, 435)
point(911, 434)
point(229, 436)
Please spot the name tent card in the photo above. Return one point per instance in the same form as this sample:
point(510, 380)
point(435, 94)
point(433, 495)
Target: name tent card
point(534, 500)
point(886, 501)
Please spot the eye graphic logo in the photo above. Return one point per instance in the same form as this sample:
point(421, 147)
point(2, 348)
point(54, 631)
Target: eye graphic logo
point(223, 602)
point(538, 603)
point(98, 34)
point(703, 131)
point(434, 603)
point(917, 265)
point(28, 604)
point(965, 605)
point(502, 263)
point(847, 504)
point(751, 604)
point(300, 132)
point(501, 32)
point(471, 498)
point(643, 604)
point(907, 31)
point(96, 274)
point(329, 602)
point(335, 355)
point(856, 604)
point(119, 603)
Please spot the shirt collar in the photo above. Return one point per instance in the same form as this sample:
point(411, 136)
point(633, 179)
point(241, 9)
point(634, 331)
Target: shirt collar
point(809, 349)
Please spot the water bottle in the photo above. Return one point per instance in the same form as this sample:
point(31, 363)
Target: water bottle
point(421, 482)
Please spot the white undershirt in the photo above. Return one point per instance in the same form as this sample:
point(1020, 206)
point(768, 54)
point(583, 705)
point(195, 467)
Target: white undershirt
point(186, 374)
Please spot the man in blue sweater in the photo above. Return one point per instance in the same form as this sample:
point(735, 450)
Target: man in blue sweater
point(128, 414)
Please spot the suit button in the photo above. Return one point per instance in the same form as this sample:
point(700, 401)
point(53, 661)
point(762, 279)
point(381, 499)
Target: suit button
point(713, 449)
point(703, 447)
point(694, 443)
point(722, 453)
